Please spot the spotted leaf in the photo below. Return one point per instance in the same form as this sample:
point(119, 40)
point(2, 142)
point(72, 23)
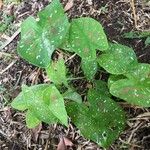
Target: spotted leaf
point(132, 92)
point(85, 36)
point(44, 102)
point(119, 59)
point(101, 122)
point(57, 72)
point(40, 39)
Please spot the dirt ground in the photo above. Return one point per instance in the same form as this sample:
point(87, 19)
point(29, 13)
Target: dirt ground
point(117, 18)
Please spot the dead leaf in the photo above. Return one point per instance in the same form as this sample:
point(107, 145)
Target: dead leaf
point(35, 132)
point(63, 143)
point(1, 4)
point(69, 5)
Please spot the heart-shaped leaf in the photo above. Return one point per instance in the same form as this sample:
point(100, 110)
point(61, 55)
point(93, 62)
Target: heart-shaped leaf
point(101, 122)
point(132, 92)
point(40, 39)
point(85, 36)
point(31, 120)
point(89, 67)
point(118, 60)
point(71, 94)
point(57, 72)
point(39, 100)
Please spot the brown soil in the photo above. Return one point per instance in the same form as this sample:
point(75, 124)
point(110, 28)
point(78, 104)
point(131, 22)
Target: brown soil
point(116, 17)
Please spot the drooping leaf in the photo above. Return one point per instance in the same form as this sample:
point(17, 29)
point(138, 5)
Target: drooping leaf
point(101, 123)
point(132, 92)
point(31, 120)
point(118, 60)
point(89, 67)
point(40, 39)
point(57, 105)
point(39, 99)
point(140, 72)
point(57, 72)
point(71, 94)
point(85, 36)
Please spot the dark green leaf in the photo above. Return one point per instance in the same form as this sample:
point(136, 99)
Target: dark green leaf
point(101, 123)
point(118, 60)
point(132, 92)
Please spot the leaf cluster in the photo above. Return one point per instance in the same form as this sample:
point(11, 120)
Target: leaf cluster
point(99, 118)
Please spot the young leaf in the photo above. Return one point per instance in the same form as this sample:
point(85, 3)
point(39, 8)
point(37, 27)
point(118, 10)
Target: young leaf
point(40, 39)
point(118, 60)
point(70, 94)
point(31, 120)
point(139, 72)
point(89, 67)
point(101, 123)
point(57, 72)
point(132, 92)
point(85, 36)
point(57, 105)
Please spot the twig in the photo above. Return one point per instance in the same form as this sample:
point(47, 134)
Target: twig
point(11, 39)
point(134, 12)
point(11, 64)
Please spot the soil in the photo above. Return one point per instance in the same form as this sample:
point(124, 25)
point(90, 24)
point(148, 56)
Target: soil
point(117, 19)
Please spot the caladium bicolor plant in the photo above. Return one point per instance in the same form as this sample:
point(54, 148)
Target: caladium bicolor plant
point(99, 118)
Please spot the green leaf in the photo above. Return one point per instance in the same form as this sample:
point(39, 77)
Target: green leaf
point(132, 92)
point(89, 67)
point(136, 34)
point(44, 102)
point(85, 36)
point(31, 120)
point(40, 39)
point(114, 78)
point(102, 122)
point(71, 94)
point(147, 42)
point(99, 87)
point(118, 60)
point(139, 72)
point(57, 105)
point(57, 72)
